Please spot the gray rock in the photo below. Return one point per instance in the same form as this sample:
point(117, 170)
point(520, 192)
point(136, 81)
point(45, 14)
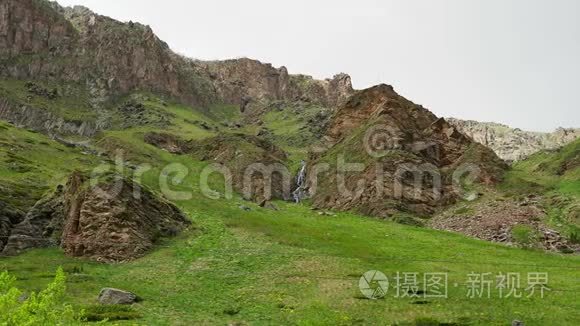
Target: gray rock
point(116, 296)
point(517, 323)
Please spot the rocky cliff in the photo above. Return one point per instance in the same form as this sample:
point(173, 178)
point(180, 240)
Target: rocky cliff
point(513, 144)
point(41, 40)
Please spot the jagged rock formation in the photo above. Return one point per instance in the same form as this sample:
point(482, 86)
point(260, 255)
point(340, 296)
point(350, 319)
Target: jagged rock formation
point(408, 157)
point(513, 144)
point(41, 40)
point(106, 222)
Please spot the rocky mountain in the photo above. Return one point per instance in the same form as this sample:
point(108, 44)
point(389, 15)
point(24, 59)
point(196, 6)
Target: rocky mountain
point(513, 144)
point(406, 157)
point(98, 85)
point(44, 41)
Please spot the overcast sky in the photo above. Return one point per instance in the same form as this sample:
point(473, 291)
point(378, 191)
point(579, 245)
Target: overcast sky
point(514, 62)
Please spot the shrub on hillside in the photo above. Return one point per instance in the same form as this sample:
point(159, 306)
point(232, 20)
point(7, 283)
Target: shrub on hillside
point(43, 308)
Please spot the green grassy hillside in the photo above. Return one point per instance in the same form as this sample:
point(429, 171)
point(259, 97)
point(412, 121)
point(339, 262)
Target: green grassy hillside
point(292, 266)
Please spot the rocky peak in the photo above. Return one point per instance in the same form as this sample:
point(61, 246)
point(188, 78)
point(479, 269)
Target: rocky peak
point(339, 88)
point(242, 80)
point(406, 157)
point(514, 144)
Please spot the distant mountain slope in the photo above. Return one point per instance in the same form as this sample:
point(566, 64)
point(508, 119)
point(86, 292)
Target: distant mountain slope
point(513, 144)
point(561, 166)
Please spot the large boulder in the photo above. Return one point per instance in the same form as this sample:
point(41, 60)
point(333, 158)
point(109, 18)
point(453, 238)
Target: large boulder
point(114, 220)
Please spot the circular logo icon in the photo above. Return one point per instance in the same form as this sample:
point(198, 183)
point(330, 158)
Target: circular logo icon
point(373, 285)
point(379, 140)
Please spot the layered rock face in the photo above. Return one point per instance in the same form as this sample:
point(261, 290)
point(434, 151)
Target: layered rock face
point(8, 218)
point(407, 158)
point(249, 81)
point(116, 220)
point(44, 41)
point(512, 144)
point(41, 40)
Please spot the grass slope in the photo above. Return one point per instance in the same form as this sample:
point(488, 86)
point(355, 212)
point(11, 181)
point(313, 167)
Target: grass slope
point(556, 176)
point(31, 163)
point(291, 266)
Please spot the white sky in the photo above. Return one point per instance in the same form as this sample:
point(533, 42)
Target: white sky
point(510, 61)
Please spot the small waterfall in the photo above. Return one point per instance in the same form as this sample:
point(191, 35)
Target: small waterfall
point(299, 193)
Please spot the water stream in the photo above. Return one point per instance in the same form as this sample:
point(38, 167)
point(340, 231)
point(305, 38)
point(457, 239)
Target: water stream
point(299, 193)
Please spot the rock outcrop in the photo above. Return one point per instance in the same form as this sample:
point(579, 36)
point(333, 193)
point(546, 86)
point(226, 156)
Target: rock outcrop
point(408, 159)
point(116, 296)
point(513, 144)
point(8, 218)
point(41, 40)
point(114, 220)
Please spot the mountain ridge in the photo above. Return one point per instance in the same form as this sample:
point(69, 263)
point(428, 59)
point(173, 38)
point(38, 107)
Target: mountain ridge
point(514, 144)
point(112, 58)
